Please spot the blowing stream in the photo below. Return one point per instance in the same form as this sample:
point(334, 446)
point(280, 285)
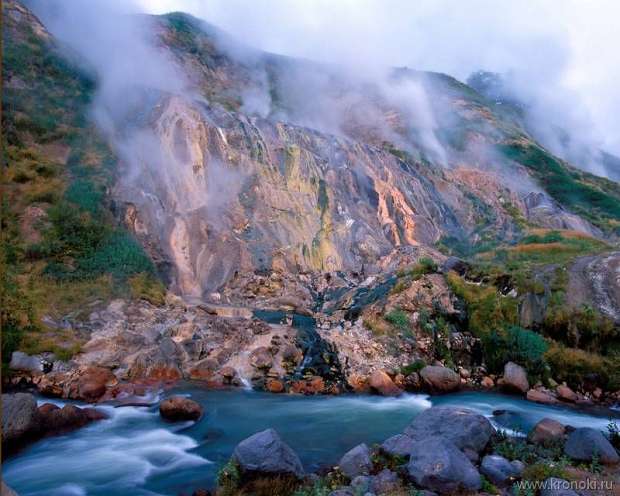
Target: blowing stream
point(135, 453)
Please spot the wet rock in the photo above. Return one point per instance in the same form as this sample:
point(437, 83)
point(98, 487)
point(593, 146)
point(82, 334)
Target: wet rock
point(55, 420)
point(438, 465)
point(274, 386)
point(381, 383)
point(463, 427)
point(440, 379)
point(93, 382)
point(412, 382)
point(498, 470)
point(567, 394)
point(266, 453)
point(20, 416)
point(310, 386)
point(541, 397)
point(585, 443)
point(356, 461)
point(515, 378)
point(261, 358)
point(178, 408)
point(52, 384)
point(487, 382)
point(547, 431)
point(228, 373)
point(554, 486)
point(25, 363)
point(385, 482)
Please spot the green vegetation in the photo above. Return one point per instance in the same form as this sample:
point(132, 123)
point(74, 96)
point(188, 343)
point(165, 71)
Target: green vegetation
point(229, 479)
point(518, 345)
point(60, 248)
point(594, 198)
point(399, 319)
point(413, 367)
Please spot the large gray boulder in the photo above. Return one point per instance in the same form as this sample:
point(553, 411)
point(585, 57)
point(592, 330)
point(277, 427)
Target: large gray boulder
point(438, 465)
point(515, 378)
point(441, 379)
point(585, 443)
point(498, 470)
point(463, 427)
point(265, 452)
point(20, 416)
point(25, 363)
point(398, 445)
point(554, 486)
point(356, 461)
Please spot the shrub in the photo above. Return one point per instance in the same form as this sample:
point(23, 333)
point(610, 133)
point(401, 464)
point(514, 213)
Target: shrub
point(518, 345)
point(399, 319)
point(413, 367)
point(575, 366)
point(229, 479)
point(543, 470)
point(146, 287)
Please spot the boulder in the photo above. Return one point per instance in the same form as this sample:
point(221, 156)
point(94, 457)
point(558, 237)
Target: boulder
point(356, 461)
point(498, 470)
point(398, 445)
point(463, 427)
point(412, 382)
point(541, 397)
point(55, 420)
point(385, 482)
point(438, 465)
point(381, 383)
point(515, 378)
point(20, 416)
point(554, 486)
point(567, 394)
point(178, 408)
point(93, 382)
point(547, 431)
point(261, 358)
point(487, 382)
point(266, 453)
point(360, 484)
point(25, 363)
point(440, 379)
point(585, 443)
point(274, 386)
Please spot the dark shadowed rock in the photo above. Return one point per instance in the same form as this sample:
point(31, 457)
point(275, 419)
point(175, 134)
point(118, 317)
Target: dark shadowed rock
point(547, 431)
point(440, 379)
point(266, 453)
point(456, 265)
point(554, 486)
point(356, 461)
point(515, 378)
point(585, 443)
point(20, 416)
point(94, 381)
point(463, 427)
point(438, 465)
point(178, 408)
point(381, 383)
point(385, 482)
point(55, 420)
point(498, 470)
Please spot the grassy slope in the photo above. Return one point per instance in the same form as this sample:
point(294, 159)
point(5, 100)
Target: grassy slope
point(61, 247)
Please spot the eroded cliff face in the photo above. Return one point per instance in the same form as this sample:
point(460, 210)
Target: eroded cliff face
point(270, 163)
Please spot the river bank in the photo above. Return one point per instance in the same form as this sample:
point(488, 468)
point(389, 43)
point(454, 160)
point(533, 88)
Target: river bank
point(135, 451)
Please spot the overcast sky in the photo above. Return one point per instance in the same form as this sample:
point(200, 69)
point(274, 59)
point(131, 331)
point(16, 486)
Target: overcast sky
point(564, 50)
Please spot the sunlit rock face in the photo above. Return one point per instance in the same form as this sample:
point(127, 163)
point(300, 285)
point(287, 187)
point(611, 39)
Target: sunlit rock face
point(221, 192)
point(266, 162)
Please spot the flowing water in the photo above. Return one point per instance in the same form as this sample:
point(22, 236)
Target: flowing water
point(135, 453)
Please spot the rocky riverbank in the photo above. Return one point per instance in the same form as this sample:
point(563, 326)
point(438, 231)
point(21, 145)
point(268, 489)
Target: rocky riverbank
point(445, 450)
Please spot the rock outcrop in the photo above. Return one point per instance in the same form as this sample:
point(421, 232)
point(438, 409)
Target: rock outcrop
point(440, 379)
